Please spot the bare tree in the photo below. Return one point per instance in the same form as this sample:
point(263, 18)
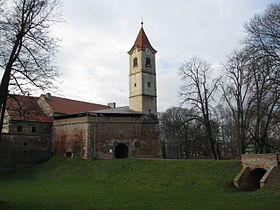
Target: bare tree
point(263, 33)
point(27, 49)
point(265, 93)
point(197, 92)
point(263, 40)
point(184, 137)
point(236, 93)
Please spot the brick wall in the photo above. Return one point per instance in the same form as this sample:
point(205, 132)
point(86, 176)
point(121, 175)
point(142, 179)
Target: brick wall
point(140, 133)
point(97, 136)
point(259, 160)
point(29, 128)
point(70, 135)
point(18, 150)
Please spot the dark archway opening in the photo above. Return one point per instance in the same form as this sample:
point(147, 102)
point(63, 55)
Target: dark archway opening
point(121, 151)
point(68, 154)
point(253, 179)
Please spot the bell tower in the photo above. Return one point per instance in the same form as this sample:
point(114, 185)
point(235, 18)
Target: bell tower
point(142, 75)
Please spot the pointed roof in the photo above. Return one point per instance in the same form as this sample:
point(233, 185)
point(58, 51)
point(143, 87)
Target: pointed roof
point(142, 41)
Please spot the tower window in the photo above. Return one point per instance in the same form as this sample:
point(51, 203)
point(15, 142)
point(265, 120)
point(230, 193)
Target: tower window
point(149, 84)
point(33, 129)
point(134, 84)
point(135, 62)
point(148, 62)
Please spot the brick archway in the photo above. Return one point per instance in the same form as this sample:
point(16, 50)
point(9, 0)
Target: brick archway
point(256, 170)
point(121, 151)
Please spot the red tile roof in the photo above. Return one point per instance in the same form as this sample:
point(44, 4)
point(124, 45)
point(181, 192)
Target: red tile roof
point(25, 108)
point(69, 106)
point(142, 41)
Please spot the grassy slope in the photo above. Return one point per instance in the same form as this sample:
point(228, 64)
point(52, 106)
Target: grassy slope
point(132, 184)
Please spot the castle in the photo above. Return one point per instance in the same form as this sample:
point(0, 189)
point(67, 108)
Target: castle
point(37, 128)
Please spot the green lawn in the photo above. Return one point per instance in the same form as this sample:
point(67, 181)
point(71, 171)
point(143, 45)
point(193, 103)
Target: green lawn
point(131, 184)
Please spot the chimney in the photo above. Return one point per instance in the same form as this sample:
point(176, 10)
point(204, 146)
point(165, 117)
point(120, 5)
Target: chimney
point(48, 95)
point(112, 104)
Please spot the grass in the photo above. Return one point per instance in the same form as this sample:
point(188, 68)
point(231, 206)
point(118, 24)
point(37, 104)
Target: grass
point(131, 184)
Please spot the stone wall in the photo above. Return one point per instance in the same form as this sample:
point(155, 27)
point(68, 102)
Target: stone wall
point(22, 150)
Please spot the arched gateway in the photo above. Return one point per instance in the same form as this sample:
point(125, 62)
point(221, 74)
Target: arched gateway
point(121, 151)
point(256, 170)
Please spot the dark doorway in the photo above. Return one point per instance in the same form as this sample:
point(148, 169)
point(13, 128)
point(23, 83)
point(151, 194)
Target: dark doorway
point(121, 151)
point(253, 179)
point(68, 154)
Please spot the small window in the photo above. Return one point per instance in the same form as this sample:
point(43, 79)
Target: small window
point(148, 62)
point(134, 84)
point(24, 143)
point(149, 84)
point(137, 144)
point(33, 129)
point(19, 128)
point(135, 62)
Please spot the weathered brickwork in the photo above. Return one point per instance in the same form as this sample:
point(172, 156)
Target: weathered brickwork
point(98, 136)
point(265, 161)
point(24, 149)
point(29, 128)
point(257, 169)
point(70, 135)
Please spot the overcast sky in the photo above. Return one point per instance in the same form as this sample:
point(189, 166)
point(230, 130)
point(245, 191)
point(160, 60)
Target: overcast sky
point(97, 34)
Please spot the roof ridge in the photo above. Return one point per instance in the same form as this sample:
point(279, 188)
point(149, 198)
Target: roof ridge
point(85, 102)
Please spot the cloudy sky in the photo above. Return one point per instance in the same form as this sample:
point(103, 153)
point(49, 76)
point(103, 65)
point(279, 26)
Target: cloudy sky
point(97, 34)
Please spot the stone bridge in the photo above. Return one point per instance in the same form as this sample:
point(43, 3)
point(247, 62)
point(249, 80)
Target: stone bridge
point(256, 170)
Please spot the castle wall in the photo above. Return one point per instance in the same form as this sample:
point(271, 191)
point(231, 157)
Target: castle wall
point(70, 135)
point(97, 136)
point(138, 132)
point(18, 150)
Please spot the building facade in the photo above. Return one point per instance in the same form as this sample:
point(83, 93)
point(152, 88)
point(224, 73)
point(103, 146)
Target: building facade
point(117, 132)
point(37, 128)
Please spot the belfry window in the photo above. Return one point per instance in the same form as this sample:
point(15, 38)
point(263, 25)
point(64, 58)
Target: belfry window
point(149, 84)
point(148, 62)
point(135, 62)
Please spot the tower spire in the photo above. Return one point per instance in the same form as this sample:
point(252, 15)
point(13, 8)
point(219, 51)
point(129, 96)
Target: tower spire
point(142, 22)
point(142, 75)
point(142, 40)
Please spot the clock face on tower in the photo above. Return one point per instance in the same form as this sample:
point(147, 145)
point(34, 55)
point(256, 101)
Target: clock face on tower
point(148, 51)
